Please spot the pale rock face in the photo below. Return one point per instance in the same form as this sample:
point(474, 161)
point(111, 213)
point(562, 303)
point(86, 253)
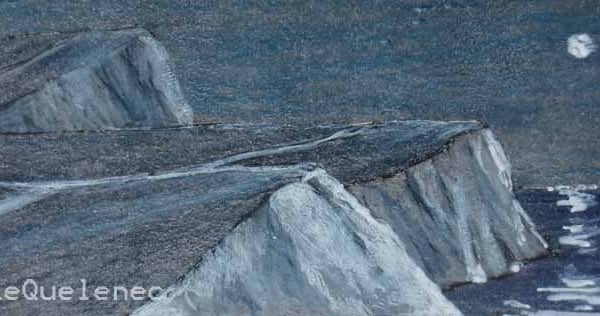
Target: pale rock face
point(313, 249)
point(425, 204)
point(456, 212)
point(93, 81)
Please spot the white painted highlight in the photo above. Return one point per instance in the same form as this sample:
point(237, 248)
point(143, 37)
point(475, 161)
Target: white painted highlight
point(478, 275)
point(583, 187)
point(575, 283)
point(579, 187)
point(580, 45)
point(574, 241)
point(169, 85)
point(499, 157)
point(578, 201)
point(584, 308)
point(573, 228)
point(529, 222)
point(17, 200)
point(515, 267)
point(346, 133)
point(516, 304)
point(569, 290)
point(74, 184)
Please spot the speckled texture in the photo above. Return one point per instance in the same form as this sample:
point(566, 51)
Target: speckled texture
point(312, 249)
point(504, 62)
point(431, 176)
point(90, 80)
point(145, 233)
point(379, 149)
point(456, 213)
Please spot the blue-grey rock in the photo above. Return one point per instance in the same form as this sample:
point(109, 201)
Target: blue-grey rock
point(444, 188)
point(449, 197)
point(312, 249)
point(89, 81)
point(457, 213)
point(262, 241)
point(133, 231)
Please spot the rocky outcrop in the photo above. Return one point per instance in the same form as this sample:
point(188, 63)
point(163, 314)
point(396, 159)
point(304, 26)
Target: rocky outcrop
point(445, 188)
point(304, 245)
point(456, 212)
point(92, 80)
point(415, 199)
point(312, 249)
point(133, 231)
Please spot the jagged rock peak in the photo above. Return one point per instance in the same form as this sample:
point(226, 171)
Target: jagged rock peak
point(312, 249)
point(88, 80)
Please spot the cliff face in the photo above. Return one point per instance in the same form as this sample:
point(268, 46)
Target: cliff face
point(398, 204)
point(131, 231)
point(456, 212)
point(312, 249)
point(92, 80)
point(449, 198)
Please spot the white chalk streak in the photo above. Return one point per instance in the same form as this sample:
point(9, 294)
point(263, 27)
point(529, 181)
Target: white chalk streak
point(578, 201)
point(559, 313)
point(574, 228)
point(569, 290)
point(584, 308)
point(221, 165)
point(578, 282)
point(17, 200)
point(578, 241)
point(516, 304)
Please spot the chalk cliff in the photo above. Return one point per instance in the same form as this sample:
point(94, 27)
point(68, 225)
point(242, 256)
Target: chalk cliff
point(91, 80)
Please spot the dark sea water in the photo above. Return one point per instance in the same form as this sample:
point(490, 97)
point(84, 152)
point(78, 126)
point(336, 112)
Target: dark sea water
point(563, 284)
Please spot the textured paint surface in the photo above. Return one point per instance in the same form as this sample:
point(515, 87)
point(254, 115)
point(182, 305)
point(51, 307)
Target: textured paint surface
point(186, 210)
point(311, 250)
point(504, 62)
point(90, 81)
point(146, 232)
point(564, 284)
point(456, 213)
point(436, 197)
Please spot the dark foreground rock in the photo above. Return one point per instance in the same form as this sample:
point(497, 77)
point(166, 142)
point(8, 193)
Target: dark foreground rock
point(90, 80)
point(138, 233)
point(363, 151)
